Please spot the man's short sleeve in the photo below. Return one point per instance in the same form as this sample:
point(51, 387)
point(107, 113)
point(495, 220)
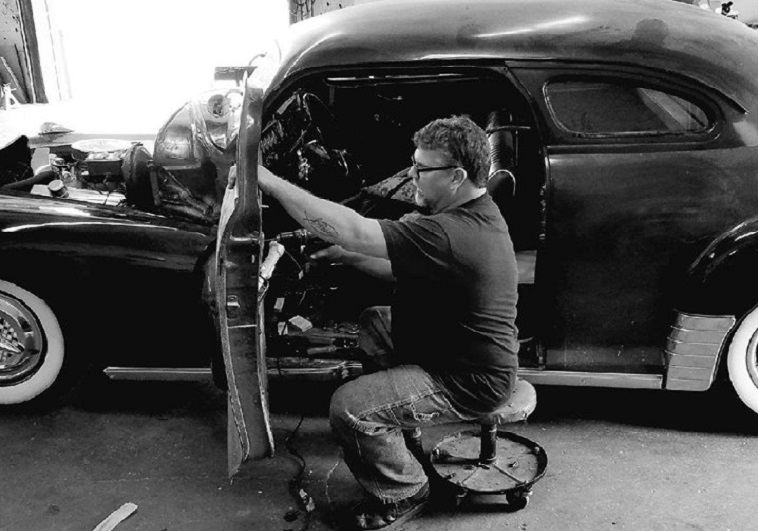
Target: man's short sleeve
point(416, 246)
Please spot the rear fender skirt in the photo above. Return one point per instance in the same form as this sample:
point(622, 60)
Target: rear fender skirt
point(693, 350)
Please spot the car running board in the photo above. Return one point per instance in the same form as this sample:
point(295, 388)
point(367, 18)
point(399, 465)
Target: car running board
point(533, 376)
point(592, 379)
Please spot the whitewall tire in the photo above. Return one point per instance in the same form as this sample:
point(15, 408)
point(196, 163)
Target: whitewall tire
point(742, 360)
point(31, 345)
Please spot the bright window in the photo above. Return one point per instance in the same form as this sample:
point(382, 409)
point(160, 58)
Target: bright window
point(621, 108)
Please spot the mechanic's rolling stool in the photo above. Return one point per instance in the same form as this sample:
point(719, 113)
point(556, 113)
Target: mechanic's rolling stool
point(493, 462)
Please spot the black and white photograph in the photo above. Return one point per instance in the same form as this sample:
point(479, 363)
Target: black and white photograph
point(398, 265)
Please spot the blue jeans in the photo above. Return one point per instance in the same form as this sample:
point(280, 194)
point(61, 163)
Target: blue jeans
point(369, 414)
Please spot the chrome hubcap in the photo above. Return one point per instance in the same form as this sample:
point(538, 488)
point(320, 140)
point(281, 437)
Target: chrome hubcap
point(21, 341)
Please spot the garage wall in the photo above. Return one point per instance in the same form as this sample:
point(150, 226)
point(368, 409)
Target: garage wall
point(142, 59)
point(153, 50)
point(12, 48)
point(301, 9)
point(748, 10)
point(163, 49)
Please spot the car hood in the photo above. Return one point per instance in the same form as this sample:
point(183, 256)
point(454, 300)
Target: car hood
point(21, 209)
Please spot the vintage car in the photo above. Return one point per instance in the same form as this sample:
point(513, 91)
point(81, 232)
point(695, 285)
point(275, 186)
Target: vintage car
point(624, 145)
point(624, 140)
point(96, 278)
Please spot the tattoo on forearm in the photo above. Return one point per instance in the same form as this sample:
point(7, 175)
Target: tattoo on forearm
point(321, 227)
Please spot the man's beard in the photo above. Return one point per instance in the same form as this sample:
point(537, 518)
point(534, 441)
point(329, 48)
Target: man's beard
point(419, 198)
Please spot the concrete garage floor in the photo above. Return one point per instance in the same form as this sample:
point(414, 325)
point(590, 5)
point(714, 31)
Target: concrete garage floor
point(618, 460)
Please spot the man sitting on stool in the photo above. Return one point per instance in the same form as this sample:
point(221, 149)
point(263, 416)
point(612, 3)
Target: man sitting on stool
point(447, 350)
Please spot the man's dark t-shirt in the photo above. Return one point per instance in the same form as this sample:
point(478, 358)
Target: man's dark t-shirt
point(454, 310)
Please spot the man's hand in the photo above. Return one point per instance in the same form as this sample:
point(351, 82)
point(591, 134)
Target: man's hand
point(264, 178)
point(376, 267)
point(329, 221)
point(333, 253)
point(232, 179)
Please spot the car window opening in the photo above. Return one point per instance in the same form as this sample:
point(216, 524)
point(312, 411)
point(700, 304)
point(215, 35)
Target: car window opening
point(348, 138)
point(598, 108)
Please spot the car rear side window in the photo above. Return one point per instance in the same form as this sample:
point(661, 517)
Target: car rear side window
point(607, 108)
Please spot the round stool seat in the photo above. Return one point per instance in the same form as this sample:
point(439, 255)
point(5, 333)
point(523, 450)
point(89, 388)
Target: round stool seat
point(489, 461)
point(522, 403)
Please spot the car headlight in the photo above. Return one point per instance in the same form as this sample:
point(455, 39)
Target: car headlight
point(217, 115)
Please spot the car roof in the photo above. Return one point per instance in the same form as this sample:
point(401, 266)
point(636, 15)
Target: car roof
point(672, 36)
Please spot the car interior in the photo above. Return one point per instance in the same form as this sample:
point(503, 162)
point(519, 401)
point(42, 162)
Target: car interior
point(348, 137)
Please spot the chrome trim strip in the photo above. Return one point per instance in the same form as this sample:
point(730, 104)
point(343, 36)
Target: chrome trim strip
point(693, 349)
point(533, 376)
point(592, 379)
point(334, 371)
point(158, 373)
point(722, 323)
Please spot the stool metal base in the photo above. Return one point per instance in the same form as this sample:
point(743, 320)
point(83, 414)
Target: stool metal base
point(518, 464)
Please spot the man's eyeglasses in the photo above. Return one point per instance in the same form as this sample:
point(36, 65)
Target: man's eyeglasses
point(421, 169)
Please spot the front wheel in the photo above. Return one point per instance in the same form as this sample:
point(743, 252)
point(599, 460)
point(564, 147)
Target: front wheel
point(742, 360)
point(31, 345)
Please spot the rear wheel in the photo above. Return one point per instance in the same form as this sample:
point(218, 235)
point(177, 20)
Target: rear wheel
point(742, 360)
point(31, 345)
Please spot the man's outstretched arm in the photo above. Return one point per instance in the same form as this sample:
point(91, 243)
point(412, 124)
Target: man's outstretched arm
point(371, 265)
point(329, 221)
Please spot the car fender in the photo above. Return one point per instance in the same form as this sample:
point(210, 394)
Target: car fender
point(58, 231)
point(197, 147)
point(79, 256)
point(105, 276)
point(712, 297)
point(718, 282)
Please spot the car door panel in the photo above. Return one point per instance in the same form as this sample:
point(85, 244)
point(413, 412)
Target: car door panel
point(622, 230)
point(625, 219)
point(239, 306)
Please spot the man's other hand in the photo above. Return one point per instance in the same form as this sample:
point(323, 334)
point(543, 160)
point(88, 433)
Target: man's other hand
point(333, 253)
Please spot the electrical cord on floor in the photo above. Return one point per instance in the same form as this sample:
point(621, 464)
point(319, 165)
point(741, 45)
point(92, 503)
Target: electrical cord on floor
point(304, 499)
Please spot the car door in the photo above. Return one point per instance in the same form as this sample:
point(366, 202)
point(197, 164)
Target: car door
point(238, 260)
point(640, 180)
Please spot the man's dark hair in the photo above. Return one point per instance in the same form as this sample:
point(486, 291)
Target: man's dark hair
point(463, 141)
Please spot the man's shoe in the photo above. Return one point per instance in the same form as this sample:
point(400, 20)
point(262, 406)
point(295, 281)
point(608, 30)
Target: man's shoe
point(372, 514)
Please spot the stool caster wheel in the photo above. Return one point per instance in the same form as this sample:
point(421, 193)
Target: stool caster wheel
point(458, 499)
point(445, 495)
point(518, 500)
